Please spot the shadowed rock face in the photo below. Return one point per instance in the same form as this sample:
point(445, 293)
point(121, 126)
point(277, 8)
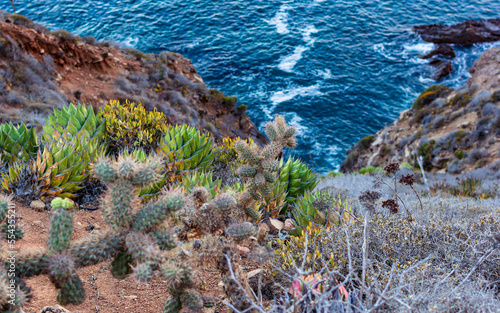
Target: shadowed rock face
point(466, 33)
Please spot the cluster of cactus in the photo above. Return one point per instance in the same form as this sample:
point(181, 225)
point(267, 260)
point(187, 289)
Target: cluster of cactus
point(186, 150)
point(226, 152)
point(17, 143)
point(130, 126)
point(202, 179)
point(138, 243)
point(262, 164)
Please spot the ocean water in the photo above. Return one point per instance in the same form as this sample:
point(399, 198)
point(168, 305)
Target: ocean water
point(338, 70)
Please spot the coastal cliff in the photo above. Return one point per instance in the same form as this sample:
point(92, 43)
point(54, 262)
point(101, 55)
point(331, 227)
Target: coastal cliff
point(454, 131)
point(42, 70)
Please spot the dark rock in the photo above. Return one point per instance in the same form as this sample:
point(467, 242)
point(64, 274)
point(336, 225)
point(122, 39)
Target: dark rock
point(442, 49)
point(466, 33)
point(78, 94)
point(443, 68)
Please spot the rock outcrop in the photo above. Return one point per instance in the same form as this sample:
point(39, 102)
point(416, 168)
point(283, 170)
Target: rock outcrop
point(41, 70)
point(453, 131)
point(465, 33)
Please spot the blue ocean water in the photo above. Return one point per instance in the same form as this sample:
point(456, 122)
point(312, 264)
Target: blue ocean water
point(338, 70)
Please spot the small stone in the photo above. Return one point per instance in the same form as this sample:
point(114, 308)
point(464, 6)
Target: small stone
point(244, 251)
point(38, 224)
point(42, 51)
point(37, 205)
point(277, 224)
point(254, 273)
point(289, 224)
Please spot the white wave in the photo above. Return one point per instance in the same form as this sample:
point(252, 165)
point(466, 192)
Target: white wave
point(425, 79)
point(285, 95)
point(306, 34)
point(420, 47)
point(326, 74)
point(280, 20)
point(131, 41)
point(289, 62)
point(380, 48)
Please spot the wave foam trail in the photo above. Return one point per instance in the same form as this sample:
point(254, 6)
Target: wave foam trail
point(285, 95)
point(380, 48)
point(289, 62)
point(306, 33)
point(420, 47)
point(280, 20)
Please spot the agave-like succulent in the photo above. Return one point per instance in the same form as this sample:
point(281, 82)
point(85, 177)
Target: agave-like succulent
point(17, 142)
point(186, 149)
point(21, 181)
point(74, 121)
point(202, 179)
point(295, 179)
point(63, 166)
point(321, 208)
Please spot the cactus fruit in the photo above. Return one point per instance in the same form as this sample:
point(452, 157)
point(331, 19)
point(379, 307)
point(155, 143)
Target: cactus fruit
point(240, 231)
point(17, 143)
point(186, 149)
point(74, 121)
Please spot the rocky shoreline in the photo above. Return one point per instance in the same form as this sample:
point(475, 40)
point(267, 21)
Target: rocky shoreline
point(42, 70)
point(453, 131)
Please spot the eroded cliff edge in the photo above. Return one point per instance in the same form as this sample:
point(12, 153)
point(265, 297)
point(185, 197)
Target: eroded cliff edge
point(454, 131)
point(41, 70)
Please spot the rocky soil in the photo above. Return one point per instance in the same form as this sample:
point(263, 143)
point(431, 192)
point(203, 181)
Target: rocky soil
point(454, 131)
point(41, 70)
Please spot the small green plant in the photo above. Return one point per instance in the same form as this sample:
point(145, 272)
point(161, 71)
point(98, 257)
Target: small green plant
point(186, 150)
point(370, 170)
point(17, 143)
point(430, 94)
point(365, 142)
point(130, 126)
point(459, 154)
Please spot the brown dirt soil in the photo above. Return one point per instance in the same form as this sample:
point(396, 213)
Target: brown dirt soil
point(103, 292)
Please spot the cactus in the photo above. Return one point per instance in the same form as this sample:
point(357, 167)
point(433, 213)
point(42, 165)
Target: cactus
point(10, 228)
point(262, 165)
point(17, 143)
point(240, 231)
point(186, 149)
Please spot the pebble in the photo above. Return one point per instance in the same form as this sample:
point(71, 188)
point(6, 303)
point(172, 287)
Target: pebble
point(244, 251)
point(37, 205)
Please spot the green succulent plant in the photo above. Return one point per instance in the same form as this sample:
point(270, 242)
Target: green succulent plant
point(21, 181)
point(74, 121)
point(295, 179)
point(320, 208)
point(17, 143)
point(186, 149)
point(63, 166)
point(202, 179)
